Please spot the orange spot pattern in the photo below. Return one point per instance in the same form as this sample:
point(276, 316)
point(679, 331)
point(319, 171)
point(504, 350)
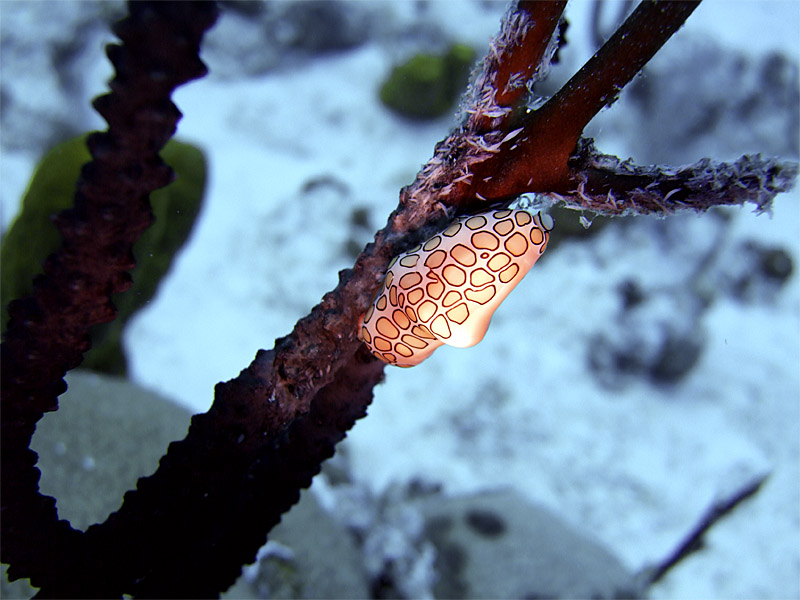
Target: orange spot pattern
point(446, 290)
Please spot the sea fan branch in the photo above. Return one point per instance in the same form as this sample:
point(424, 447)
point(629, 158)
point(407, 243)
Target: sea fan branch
point(48, 332)
point(535, 158)
point(607, 185)
point(519, 56)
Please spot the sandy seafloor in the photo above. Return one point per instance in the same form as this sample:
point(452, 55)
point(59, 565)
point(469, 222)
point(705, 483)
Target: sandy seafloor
point(634, 465)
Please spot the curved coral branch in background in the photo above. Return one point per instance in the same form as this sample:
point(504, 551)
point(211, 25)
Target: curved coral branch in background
point(48, 332)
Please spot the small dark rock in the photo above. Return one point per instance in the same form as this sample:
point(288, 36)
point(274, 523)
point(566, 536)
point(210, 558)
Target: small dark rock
point(326, 25)
point(486, 523)
point(679, 353)
point(776, 264)
point(632, 294)
point(659, 337)
point(359, 217)
point(499, 545)
point(754, 272)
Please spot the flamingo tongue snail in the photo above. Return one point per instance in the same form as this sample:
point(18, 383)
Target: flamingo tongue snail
point(445, 290)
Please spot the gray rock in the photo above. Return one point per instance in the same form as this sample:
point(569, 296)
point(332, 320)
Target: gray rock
point(499, 545)
point(752, 272)
point(660, 338)
point(15, 590)
point(106, 434)
point(308, 555)
point(251, 39)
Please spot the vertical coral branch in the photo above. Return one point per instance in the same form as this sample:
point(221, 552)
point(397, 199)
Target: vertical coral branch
point(514, 74)
point(535, 159)
point(518, 56)
point(600, 80)
point(48, 332)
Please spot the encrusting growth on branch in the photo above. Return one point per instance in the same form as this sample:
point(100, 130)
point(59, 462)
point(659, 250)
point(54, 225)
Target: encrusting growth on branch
point(613, 187)
point(504, 149)
point(518, 57)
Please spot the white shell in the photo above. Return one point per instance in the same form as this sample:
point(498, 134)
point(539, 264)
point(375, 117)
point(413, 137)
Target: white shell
point(445, 290)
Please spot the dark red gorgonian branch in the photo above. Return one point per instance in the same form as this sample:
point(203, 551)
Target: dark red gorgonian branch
point(48, 331)
point(519, 56)
point(187, 529)
point(600, 80)
point(500, 153)
point(536, 159)
point(576, 174)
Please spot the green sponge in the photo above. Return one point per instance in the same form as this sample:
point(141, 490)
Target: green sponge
point(428, 85)
point(32, 236)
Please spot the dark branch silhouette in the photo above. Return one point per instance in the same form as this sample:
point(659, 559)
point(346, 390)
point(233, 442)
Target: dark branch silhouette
point(694, 541)
point(48, 332)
